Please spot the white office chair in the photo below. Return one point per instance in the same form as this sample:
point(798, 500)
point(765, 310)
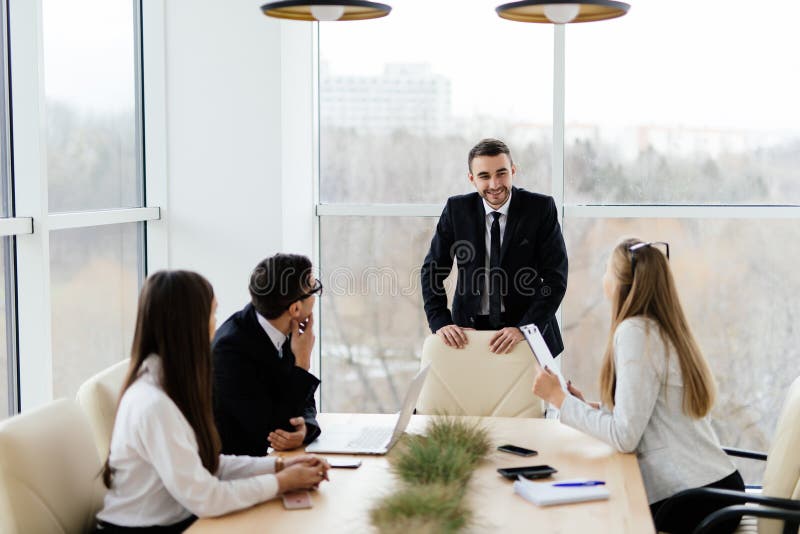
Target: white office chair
point(49, 471)
point(98, 397)
point(473, 381)
point(777, 507)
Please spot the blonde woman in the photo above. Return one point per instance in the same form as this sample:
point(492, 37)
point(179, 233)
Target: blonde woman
point(656, 388)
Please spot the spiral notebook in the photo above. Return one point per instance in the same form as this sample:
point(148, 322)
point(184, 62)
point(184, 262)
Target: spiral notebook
point(546, 494)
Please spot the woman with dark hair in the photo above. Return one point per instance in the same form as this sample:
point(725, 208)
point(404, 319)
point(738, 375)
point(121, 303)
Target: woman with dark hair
point(656, 389)
point(164, 467)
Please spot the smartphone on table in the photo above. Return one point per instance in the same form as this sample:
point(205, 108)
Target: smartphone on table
point(516, 449)
point(296, 500)
point(530, 471)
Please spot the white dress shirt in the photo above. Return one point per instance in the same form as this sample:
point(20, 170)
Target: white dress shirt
point(675, 451)
point(277, 337)
point(158, 476)
point(503, 211)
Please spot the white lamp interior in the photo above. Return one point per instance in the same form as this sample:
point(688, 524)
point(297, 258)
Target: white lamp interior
point(562, 13)
point(327, 13)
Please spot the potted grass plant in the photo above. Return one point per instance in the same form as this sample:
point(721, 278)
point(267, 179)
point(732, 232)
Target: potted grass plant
point(434, 471)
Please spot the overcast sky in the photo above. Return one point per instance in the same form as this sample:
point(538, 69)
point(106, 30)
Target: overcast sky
point(702, 63)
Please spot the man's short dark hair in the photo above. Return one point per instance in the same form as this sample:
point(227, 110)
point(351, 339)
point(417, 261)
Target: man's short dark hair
point(277, 282)
point(488, 147)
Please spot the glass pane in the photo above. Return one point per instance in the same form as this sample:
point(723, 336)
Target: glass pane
point(6, 329)
point(398, 117)
point(5, 189)
point(373, 324)
point(736, 287)
point(90, 91)
point(94, 275)
point(708, 117)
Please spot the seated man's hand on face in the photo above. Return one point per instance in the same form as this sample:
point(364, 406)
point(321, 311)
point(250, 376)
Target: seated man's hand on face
point(281, 440)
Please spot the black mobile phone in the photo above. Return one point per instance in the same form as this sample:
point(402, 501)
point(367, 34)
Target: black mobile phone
point(530, 471)
point(520, 451)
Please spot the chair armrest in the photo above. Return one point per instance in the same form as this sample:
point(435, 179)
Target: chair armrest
point(791, 518)
point(727, 497)
point(744, 453)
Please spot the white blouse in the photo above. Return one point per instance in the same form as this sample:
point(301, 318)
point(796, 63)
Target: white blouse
point(158, 477)
point(675, 451)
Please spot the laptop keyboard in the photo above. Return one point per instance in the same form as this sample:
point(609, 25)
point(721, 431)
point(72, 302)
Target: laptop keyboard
point(372, 437)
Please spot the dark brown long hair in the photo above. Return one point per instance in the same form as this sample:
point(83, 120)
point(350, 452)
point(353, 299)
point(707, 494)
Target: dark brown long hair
point(173, 322)
point(649, 291)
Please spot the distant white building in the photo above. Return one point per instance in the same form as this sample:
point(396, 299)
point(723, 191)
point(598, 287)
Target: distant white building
point(405, 97)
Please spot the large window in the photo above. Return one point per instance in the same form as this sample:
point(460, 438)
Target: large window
point(397, 119)
point(76, 227)
point(91, 104)
point(708, 116)
point(709, 120)
point(94, 280)
point(694, 141)
point(92, 163)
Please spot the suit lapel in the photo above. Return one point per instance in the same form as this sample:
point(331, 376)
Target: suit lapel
point(480, 233)
point(511, 223)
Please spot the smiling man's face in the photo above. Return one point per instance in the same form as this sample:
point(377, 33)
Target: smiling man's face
point(492, 177)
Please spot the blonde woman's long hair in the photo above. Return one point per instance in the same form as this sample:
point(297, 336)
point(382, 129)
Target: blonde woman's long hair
point(648, 290)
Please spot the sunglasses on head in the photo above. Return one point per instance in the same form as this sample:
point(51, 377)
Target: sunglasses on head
point(638, 246)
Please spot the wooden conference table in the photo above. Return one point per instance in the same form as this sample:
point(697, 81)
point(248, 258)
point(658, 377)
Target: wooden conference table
point(342, 504)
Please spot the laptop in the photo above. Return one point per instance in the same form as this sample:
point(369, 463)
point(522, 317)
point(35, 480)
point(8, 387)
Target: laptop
point(540, 351)
point(355, 438)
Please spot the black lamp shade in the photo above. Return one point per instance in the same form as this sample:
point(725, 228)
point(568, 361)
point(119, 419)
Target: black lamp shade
point(534, 10)
point(301, 9)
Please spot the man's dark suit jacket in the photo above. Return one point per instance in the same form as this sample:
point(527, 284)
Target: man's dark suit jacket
point(533, 261)
point(255, 391)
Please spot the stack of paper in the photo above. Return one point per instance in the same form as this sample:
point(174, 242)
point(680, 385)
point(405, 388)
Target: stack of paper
point(545, 493)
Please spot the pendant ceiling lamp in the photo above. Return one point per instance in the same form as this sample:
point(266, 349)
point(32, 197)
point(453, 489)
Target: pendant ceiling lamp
point(325, 10)
point(562, 12)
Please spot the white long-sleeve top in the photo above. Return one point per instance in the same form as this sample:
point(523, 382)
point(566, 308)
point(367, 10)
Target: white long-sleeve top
point(675, 451)
point(159, 478)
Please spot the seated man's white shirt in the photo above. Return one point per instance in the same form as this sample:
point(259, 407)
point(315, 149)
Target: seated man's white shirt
point(277, 337)
point(158, 476)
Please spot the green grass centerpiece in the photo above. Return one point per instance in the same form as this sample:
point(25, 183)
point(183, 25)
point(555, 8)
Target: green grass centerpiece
point(434, 471)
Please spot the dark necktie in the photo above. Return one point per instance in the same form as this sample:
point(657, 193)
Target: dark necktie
point(494, 273)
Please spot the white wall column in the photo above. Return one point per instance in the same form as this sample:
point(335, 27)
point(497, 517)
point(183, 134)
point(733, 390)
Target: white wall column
point(223, 123)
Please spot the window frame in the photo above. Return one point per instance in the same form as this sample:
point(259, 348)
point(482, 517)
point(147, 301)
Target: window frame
point(30, 224)
point(566, 211)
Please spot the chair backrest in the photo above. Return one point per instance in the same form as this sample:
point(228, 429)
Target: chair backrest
point(782, 474)
point(98, 397)
point(473, 381)
point(49, 471)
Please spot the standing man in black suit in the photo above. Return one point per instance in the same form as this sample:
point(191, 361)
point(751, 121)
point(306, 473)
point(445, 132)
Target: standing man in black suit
point(512, 261)
point(263, 392)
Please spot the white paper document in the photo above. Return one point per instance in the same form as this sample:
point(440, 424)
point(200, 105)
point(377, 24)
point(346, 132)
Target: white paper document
point(540, 351)
point(546, 494)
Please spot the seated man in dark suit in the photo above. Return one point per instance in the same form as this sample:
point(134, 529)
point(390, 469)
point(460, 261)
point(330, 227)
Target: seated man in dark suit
point(263, 392)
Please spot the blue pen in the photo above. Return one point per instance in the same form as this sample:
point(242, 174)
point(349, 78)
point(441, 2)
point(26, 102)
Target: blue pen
point(579, 484)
